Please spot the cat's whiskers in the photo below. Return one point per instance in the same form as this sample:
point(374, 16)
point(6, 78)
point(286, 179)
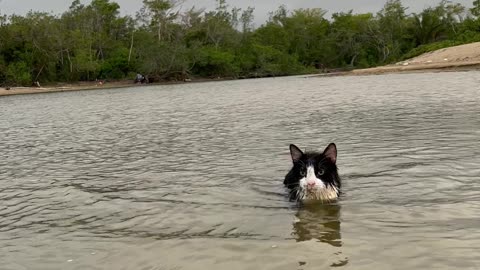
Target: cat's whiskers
point(299, 193)
point(314, 175)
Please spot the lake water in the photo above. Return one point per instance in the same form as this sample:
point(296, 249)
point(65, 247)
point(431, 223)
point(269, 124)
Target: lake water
point(190, 176)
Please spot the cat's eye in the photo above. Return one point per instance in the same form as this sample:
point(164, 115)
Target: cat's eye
point(302, 173)
point(321, 171)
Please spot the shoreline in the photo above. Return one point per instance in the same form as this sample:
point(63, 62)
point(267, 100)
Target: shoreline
point(390, 69)
point(86, 86)
point(452, 59)
point(418, 68)
point(464, 57)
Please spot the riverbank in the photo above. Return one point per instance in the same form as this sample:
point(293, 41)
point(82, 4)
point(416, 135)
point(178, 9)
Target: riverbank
point(81, 86)
point(457, 58)
point(62, 88)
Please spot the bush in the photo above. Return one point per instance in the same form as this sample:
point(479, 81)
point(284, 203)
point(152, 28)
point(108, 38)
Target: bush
point(271, 61)
point(215, 62)
point(18, 73)
point(116, 66)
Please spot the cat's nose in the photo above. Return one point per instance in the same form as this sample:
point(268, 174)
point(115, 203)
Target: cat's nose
point(310, 185)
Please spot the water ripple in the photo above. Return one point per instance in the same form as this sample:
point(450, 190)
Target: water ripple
point(114, 178)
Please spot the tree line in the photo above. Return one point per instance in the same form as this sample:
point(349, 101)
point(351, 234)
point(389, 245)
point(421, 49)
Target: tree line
point(165, 42)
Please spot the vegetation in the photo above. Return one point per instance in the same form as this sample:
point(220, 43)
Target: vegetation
point(163, 42)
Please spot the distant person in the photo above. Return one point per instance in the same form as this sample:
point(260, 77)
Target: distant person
point(140, 79)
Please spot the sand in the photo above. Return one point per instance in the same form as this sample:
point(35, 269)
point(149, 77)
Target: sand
point(457, 58)
point(80, 86)
point(65, 87)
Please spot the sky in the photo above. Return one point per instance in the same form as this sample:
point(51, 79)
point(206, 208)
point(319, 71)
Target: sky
point(262, 7)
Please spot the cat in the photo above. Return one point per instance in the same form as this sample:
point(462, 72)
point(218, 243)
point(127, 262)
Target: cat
point(314, 175)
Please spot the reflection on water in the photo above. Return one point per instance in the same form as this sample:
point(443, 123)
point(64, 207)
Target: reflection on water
point(190, 176)
point(320, 222)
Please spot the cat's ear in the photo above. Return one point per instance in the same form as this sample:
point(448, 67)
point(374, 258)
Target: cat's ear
point(295, 152)
point(331, 152)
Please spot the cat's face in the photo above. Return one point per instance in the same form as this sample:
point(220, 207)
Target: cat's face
point(314, 175)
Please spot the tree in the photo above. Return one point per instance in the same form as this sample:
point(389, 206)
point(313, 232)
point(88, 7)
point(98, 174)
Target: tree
point(427, 26)
point(247, 19)
point(451, 15)
point(388, 31)
point(350, 34)
point(93, 41)
point(159, 14)
point(475, 10)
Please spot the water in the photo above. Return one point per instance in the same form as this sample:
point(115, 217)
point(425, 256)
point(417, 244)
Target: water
point(190, 176)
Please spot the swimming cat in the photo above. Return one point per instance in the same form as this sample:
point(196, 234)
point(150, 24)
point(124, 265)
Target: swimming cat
point(314, 175)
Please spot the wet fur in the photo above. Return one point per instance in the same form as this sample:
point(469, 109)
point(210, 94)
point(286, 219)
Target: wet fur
point(325, 170)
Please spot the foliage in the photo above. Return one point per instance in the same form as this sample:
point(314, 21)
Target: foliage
point(166, 42)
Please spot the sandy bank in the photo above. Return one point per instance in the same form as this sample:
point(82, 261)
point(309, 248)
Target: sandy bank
point(462, 57)
point(62, 88)
point(86, 86)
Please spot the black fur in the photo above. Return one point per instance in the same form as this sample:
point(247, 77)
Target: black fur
point(323, 163)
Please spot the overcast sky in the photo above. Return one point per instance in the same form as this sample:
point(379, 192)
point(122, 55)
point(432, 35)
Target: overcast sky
point(262, 7)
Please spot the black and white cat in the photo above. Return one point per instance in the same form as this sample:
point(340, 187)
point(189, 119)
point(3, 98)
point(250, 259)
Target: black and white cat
point(314, 175)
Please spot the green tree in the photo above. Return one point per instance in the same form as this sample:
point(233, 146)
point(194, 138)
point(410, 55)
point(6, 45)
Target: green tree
point(389, 30)
point(349, 31)
point(427, 27)
point(159, 14)
point(475, 10)
point(93, 41)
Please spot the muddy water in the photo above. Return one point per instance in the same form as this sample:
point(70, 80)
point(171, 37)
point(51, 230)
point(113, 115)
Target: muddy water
point(190, 176)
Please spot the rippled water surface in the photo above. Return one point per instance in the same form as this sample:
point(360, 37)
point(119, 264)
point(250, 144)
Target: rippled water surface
point(190, 176)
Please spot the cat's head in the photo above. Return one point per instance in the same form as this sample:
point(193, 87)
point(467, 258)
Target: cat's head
point(314, 175)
